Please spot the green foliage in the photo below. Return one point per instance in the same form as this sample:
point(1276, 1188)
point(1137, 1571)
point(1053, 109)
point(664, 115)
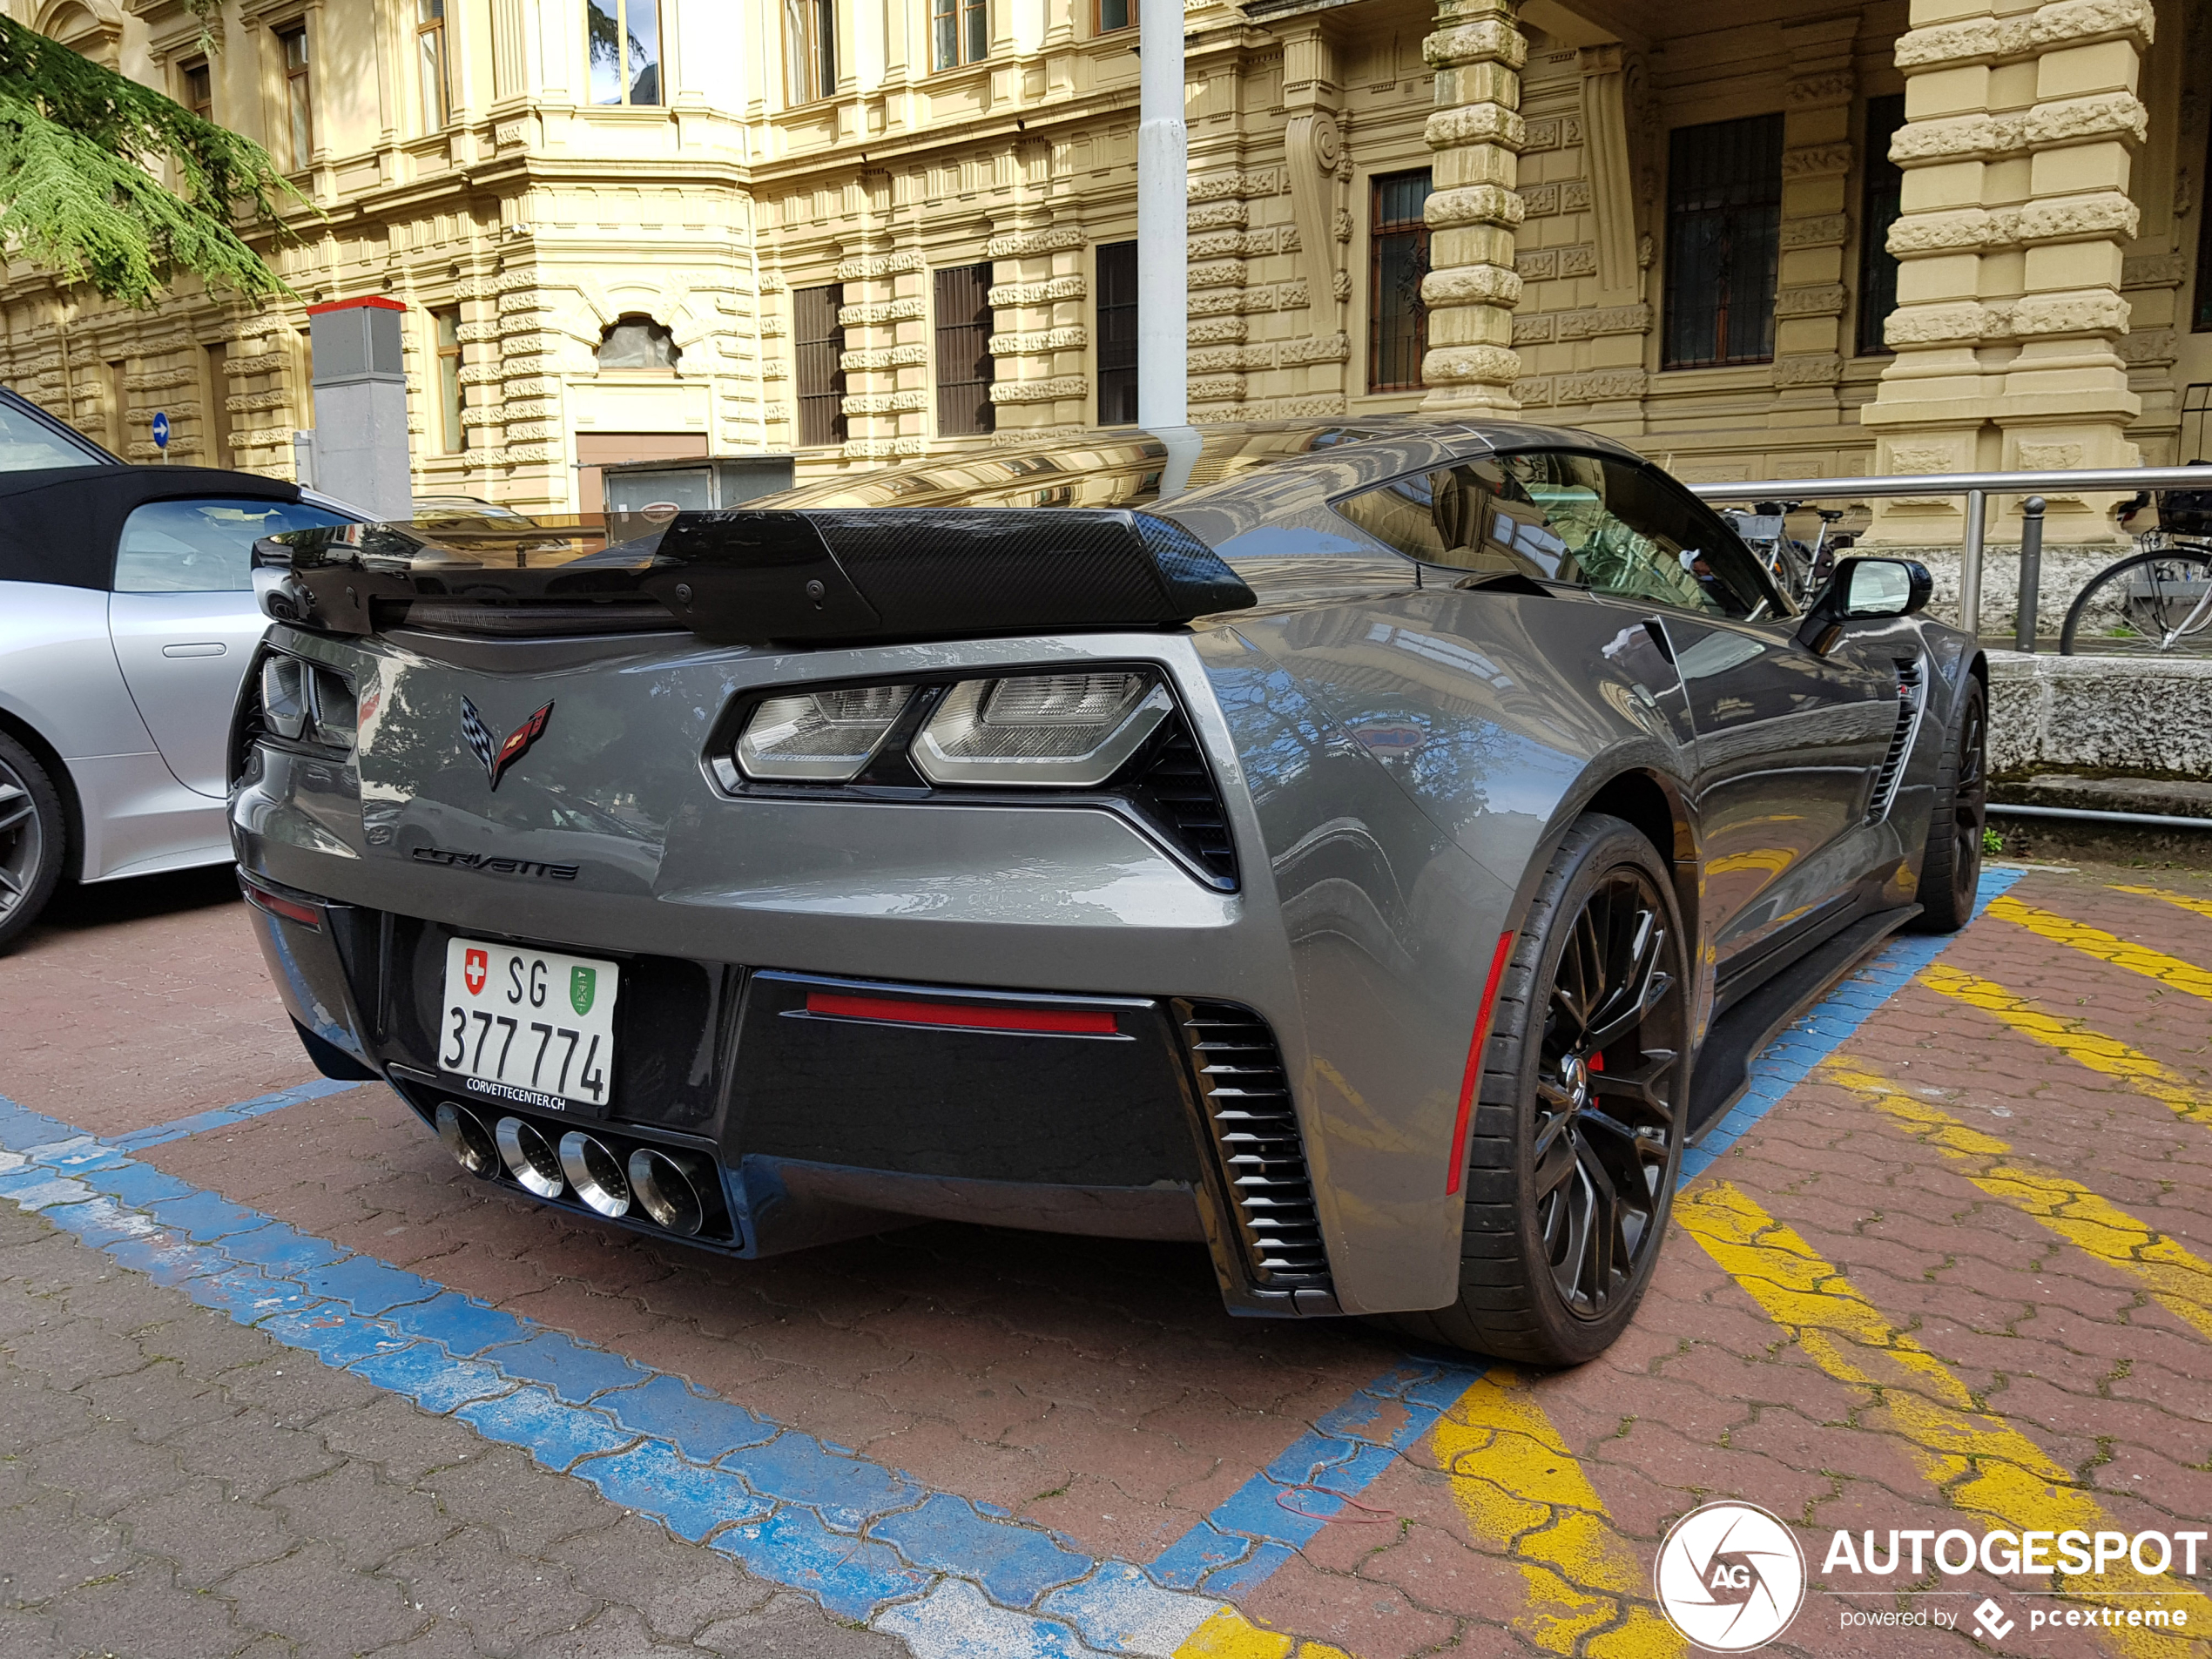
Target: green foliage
point(80, 151)
point(1991, 841)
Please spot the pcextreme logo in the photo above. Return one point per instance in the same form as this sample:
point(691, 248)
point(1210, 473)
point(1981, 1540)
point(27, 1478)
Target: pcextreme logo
point(1729, 1577)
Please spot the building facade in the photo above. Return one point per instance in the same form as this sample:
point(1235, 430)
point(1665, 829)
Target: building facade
point(1776, 239)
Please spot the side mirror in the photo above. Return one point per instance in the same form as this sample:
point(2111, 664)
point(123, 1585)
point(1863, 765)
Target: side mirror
point(1863, 590)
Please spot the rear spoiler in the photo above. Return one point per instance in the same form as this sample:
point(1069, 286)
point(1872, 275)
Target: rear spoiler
point(745, 577)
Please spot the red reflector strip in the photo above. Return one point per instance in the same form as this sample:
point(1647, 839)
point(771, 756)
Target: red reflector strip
point(305, 915)
point(1473, 1078)
point(1074, 1022)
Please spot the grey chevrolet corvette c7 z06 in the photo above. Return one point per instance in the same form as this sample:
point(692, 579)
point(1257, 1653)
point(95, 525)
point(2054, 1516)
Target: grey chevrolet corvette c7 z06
point(1374, 851)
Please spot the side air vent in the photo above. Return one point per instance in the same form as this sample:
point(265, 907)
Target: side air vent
point(1172, 785)
point(1246, 1099)
point(1909, 700)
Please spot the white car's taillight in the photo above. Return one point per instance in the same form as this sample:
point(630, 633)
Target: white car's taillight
point(1061, 731)
point(820, 736)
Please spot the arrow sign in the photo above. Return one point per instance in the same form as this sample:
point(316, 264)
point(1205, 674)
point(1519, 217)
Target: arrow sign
point(161, 429)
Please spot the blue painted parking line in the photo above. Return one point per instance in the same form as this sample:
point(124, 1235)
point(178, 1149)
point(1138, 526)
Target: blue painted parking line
point(1789, 1059)
point(223, 1116)
point(948, 1575)
point(871, 1543)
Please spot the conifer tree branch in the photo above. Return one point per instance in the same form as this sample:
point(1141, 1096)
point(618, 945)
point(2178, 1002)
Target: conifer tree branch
point(81, 148)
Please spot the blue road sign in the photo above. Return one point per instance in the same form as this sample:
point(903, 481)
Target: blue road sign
point(161, 429)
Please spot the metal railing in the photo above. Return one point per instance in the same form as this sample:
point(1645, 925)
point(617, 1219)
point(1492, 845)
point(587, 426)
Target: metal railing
point(1977, 488)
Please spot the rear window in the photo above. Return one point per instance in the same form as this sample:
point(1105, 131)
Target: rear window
point(203, 546)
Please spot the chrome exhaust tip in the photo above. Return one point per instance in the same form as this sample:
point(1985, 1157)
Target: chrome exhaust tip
point(530, 1156)
point(673, 1186)
point(467, 1139)
point(595, 1172)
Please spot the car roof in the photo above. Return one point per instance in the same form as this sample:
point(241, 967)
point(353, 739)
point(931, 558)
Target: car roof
point(1239, 468)
point(60, 524)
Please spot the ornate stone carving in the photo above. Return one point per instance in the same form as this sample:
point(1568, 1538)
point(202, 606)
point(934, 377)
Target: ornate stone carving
point(880, 265)
point(1826, 230)
point(2098, 217)
point(1214, 216)
point(1534, 392)
point(1223, 274)
point(1580, 259)
point(1812, 368)
point(1815, 160)
point(1540, 265)
point(1475, 130)
point(1044, 391)
point(1605, 319)
point(1574, 195)
point(2146, 346)
point(1989, 40)
point(1213, 330)
point(1813, 91)
point(1539, 199)
point(885, 357)
point(909, 310)
point(885, 402)
point(1216, 389)
point(2154, 270)
point(1530, 331)
point(1472, 285)
point(1022, 244)
point(1823, 300)
point(2093, 312)
point(1038, 293)
point(2084, 120)
point(1215, 186)
point(1319, 348)
point(1602, 386)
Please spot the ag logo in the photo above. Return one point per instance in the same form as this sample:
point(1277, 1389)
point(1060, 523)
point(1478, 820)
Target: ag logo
point(1731, 1577)
point(583, 985)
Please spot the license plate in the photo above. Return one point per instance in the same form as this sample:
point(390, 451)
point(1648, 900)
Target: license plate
point(528, 1025)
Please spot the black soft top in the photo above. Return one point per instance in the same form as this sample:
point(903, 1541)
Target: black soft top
point(61, 524)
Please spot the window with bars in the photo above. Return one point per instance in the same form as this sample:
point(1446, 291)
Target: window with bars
point(431, 62)
point(959, 32)
point(451, 429)
point(1724, 238)
point(1113, 14)
point(964, 367)
point(1397, 320)
point(1881, 201)
point(818, 344)
point(199, 89)
point(1117, 310)
point(624, 38)
point(810, 49)
point(298, 96)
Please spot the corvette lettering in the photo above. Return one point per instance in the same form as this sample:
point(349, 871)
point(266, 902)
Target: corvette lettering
point(492, 866)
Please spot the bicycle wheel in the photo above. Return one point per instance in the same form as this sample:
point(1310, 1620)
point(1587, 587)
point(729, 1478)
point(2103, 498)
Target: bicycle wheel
point(2157, 603)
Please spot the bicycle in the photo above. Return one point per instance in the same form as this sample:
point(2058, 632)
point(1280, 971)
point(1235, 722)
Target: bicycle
point(2156, 602)
point(1800, 570)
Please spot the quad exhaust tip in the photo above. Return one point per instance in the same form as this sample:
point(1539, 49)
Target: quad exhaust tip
point(467, 1138)
point(530, 1157)
point(595, 1172)
point(672, 1187)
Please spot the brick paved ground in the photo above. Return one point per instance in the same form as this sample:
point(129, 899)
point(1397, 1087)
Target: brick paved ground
point(1095, 1386)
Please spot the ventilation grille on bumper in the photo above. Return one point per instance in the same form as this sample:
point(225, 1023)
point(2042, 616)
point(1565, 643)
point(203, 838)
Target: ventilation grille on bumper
point(1175, 788)
point(1246, 1098)
point(1908, 716)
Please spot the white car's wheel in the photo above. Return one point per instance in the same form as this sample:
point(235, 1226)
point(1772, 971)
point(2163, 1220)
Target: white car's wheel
point(32, 837)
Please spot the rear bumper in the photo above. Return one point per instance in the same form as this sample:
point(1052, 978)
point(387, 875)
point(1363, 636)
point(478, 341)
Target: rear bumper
point(821, 1123)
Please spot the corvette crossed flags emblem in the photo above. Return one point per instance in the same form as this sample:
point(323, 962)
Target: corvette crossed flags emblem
point(498, 757)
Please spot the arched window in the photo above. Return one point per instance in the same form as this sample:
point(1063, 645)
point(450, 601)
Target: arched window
point(636, 341)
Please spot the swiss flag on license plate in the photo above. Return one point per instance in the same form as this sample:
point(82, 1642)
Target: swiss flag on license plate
point(475, 970)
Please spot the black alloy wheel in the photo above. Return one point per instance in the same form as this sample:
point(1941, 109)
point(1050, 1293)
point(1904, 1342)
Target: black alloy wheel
point(31, 839)
point(1951, 865)
point(1605, 1133)
point(1578, 1130)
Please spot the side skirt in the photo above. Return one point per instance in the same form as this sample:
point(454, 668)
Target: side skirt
point(1723, 1064)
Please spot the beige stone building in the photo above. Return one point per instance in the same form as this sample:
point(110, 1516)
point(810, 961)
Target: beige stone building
point(1755, 238)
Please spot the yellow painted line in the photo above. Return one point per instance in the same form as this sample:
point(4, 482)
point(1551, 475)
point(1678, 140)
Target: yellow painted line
point(1981, 1463)
point(2167, 970)
point(1523, 1492)
point(2091, 1048)
point(2179, 1281)
point(2202, 906)
point(1229, 1635)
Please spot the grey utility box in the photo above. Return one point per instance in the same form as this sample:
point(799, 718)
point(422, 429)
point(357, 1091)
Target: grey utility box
point(361, 442)
point(695, 486)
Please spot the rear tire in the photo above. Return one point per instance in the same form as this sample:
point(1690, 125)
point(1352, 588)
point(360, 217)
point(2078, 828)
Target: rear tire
point(34, 836)
point(1571, 1165)
point(1950, 865)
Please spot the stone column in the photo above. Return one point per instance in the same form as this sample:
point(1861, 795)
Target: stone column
point(2020, 129)
point(1816, 172)
point(1476, 132)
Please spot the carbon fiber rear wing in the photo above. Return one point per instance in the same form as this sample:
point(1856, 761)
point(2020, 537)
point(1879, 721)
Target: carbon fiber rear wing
point(756, 577)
